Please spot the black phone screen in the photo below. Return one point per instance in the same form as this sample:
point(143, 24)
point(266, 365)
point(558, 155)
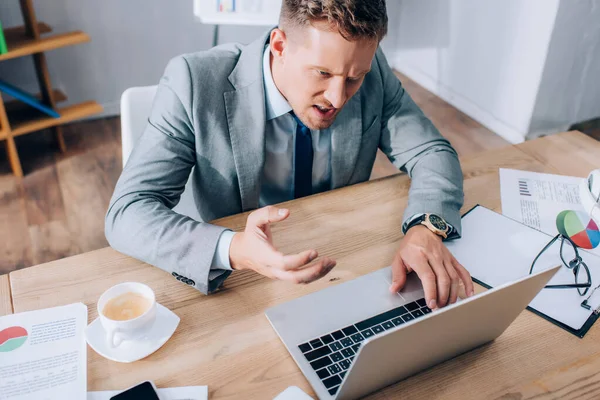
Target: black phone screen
point(143, 391)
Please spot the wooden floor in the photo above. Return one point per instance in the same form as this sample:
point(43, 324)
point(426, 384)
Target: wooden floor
point(57, 209)
point(466, 135)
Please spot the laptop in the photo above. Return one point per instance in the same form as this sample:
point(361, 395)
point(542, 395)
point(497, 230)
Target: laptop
point(356, 337)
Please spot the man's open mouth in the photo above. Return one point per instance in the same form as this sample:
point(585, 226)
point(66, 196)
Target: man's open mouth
point(325, 112)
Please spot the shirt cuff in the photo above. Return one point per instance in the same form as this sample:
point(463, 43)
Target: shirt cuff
point(221, 258)
point(452, 233)
point(410, 221)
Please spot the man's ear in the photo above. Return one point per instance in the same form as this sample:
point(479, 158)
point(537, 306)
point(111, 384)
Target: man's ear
point(278, 42)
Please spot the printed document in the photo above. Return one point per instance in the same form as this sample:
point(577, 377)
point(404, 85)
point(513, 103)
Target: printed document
point(496, 250)
point(535, 199)
point(43, 354)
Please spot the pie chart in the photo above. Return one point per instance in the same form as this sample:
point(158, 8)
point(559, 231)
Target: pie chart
point(12, 338)
point(578, 227)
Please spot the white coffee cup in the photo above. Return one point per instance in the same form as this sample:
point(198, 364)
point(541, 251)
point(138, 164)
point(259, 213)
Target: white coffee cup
point(130, 329)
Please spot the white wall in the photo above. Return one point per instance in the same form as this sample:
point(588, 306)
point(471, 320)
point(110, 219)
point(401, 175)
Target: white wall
point(484, 57)
point(570, 87)
point(132, 41)
point(520, 67)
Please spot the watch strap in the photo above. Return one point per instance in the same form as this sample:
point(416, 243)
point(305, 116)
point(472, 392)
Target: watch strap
point(451, 232)
point(414, 220)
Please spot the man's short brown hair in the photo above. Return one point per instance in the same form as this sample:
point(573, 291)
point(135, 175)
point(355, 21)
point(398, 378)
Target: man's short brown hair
point(354, 19)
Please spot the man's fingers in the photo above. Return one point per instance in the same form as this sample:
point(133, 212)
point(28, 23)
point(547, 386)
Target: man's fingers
point(455, 282)
point(442, 279)
point(267, 232)
point(295, 261)
point(308, 274)
point(398, 274)
point(277, 260)
point(427, 277)
point(267, 215)
point(465, 277)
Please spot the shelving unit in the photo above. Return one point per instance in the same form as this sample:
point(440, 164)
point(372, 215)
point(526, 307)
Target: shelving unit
point(18, 119)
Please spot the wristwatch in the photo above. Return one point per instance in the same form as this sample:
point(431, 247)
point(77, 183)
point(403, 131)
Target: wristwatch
point(434, 223)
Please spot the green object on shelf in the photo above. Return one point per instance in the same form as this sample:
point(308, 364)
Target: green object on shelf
point(3, 47)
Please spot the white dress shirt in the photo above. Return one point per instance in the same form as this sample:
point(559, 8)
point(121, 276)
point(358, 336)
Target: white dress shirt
point(277, 181)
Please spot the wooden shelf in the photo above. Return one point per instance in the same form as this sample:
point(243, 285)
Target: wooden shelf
point(20, 45)
point(22, 123)
point(14, 106)
point(18, 118)
point(19, 33)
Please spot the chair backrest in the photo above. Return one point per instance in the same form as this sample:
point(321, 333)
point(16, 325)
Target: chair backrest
point(136, 104)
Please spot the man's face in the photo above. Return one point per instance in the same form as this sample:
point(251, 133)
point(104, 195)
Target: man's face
point(318, 71)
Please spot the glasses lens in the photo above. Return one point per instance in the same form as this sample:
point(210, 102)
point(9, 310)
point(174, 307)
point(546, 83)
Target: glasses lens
point(568, 254)
point(582, 276)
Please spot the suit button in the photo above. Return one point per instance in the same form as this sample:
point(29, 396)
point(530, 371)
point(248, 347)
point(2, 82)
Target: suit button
point(174, 274)
point(191, 282)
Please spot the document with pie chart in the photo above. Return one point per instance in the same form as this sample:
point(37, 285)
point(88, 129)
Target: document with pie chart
point(43, 354)
point(537, 200)
point(496, 250)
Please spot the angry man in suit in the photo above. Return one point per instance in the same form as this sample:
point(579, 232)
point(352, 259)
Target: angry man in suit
point(301, 110)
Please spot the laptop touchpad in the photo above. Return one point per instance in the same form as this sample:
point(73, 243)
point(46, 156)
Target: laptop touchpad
point(412, 290)
point(341, 305)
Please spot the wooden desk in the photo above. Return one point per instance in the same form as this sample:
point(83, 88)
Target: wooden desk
point(225, 341)
point(5, 299)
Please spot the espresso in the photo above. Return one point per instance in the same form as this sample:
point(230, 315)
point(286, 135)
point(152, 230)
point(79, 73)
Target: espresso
point(126, 306)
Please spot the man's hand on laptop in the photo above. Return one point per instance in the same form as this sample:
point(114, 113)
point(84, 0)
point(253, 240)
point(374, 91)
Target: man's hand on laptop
point(442, 276)
point(253, 249)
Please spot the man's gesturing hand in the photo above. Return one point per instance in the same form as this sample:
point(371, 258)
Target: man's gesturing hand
point(422, 251)
point(253, 249)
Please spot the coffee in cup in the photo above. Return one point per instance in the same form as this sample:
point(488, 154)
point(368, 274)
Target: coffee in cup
point(126, 306)
point(127, 311)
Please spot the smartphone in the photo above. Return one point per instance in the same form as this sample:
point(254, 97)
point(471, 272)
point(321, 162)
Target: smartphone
point(143, 391)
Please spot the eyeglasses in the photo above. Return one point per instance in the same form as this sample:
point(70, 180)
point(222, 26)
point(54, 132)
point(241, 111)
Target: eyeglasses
point(581, 272)
point(585, 303)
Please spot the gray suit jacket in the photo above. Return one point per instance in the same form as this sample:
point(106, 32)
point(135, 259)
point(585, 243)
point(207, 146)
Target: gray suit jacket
point(209, 112)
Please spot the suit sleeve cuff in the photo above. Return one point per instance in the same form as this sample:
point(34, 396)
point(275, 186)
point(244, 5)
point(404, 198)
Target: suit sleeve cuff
point(221, 258)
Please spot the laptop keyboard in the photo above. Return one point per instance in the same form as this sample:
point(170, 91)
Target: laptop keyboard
point(331, 355)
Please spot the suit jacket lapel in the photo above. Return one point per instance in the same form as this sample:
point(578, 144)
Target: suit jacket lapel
point(346, 135)
point(246, 116)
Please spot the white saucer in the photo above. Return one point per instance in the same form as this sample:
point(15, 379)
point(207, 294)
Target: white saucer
point(129, 351)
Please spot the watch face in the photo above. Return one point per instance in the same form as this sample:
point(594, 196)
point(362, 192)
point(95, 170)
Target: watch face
point(437, 222)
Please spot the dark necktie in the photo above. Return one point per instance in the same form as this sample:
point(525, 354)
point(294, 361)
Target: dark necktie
point(304, 161)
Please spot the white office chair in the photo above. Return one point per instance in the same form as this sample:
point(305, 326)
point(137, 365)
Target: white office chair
point(136, 104)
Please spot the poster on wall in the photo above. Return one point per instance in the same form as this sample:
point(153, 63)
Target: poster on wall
point(238, 12)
